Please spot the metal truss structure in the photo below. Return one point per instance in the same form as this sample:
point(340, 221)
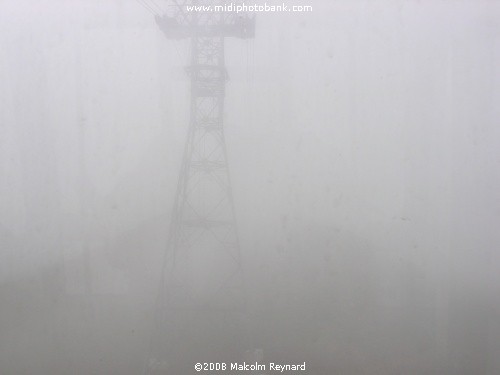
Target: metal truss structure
point(209, 20)
point(201, 304)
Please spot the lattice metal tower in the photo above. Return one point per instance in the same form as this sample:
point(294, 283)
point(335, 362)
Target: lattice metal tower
point(201, 305)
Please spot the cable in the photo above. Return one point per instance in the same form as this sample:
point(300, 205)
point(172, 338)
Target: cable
point(160, 10)
point(148, 7)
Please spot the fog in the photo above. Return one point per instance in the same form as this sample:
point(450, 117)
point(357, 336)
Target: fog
point(363, 146)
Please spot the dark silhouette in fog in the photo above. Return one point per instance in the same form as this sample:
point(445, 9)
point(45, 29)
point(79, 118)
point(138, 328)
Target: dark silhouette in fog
point(363, 147)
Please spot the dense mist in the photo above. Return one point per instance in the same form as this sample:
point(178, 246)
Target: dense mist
point(363, 145)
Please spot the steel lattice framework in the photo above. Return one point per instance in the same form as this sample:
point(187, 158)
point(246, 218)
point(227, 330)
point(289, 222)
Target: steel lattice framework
point(202, 301)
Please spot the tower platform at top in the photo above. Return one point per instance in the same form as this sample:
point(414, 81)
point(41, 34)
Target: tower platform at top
point(182, 24)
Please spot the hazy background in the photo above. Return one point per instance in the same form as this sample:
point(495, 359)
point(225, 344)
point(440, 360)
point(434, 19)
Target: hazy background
point(363, 141)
